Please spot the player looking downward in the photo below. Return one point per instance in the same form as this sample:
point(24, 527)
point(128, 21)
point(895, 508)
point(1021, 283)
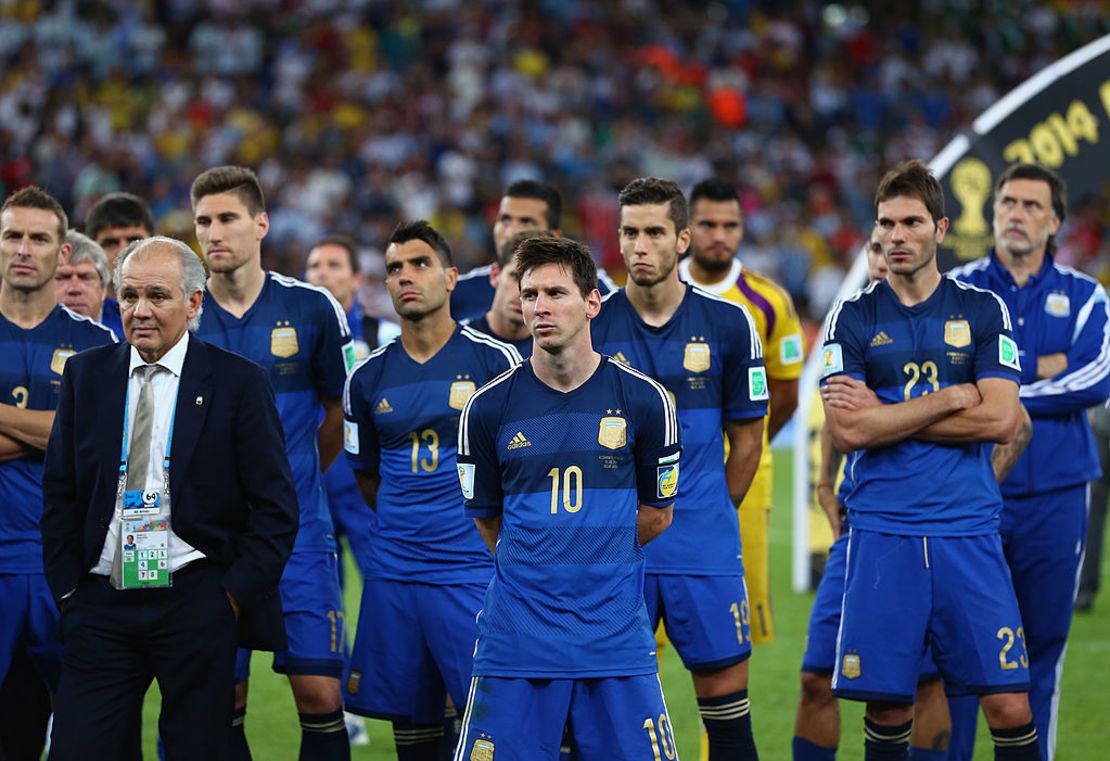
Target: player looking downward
point(920, 379)
point(569, 465)
point(426, 568)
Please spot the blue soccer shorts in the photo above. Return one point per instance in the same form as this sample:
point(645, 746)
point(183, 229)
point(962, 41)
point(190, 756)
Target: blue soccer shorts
point(707, 618)
point(414, 646)
point(824, 618)
point(29, 620)
point(905, 593)
point(607, 719)
point(314, 621)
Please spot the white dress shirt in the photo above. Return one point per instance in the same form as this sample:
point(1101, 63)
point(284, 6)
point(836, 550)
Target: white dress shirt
point(163, 385)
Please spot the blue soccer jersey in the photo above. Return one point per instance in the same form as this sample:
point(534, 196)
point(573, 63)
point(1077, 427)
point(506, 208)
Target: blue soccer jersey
point(481, 324)
point(566, 473)
point(31, 363)
point(708, 356)
point(960, 334)
point(299, 334)
point(402, 422)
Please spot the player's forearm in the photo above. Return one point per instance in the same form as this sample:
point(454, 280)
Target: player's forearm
point(828, 470)
point(745, 438)
point(489, 528)
point(784, 400)
point(880, 426)
point(652, 521)
point(1005, 456)
point(330, 433)
point(32, 427)
point(995, 419)
point(12, 449)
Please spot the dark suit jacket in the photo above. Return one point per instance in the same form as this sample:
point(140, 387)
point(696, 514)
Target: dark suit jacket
point(231, 490)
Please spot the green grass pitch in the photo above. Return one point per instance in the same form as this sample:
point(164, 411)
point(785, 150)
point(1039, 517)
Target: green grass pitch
point(1084, 732)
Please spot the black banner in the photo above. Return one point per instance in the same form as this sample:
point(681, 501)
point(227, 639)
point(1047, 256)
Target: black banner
point(1059, 118)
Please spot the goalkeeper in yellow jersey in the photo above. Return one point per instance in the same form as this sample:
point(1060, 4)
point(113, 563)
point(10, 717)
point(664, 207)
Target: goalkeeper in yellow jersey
point(717, 227)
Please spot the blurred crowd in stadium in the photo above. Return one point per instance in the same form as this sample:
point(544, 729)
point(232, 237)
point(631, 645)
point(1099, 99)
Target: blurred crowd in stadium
point(358, 113)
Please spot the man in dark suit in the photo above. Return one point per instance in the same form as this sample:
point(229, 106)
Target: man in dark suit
point(171, 403)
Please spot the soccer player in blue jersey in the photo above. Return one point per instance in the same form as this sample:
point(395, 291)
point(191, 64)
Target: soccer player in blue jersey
point(706, 352)
point(569, 465)
point(114, 222)
point(1063, 335)
point(505, 318)
point(817, 723)
point(920, 379)
point(427, 569)
point(299, 333)
point(36, 337)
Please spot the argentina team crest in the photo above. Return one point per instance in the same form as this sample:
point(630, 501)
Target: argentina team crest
point(461, 391)
point(957, 333)
point(482, 750)
point(850, 666)
point(58, 360)
point(612, 432)
point(696, 357)
point(283, 340)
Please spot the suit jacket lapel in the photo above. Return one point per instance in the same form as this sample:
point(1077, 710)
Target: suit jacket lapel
point(194, 397)
point(110, 401)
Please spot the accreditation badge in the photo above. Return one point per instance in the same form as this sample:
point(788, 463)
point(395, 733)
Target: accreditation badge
point(283, 341)
point(696, 357)
point(144, 555)
point(612, 432)
point(461, 391)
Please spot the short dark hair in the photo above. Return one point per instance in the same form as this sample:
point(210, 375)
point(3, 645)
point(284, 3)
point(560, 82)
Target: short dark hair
point(713, 189)
point(347, 243)
point(537, 251)
point(420, 230)
point(541, 191)
point(652, 190)
point(510, 246)
point(119, 210)
point(34, 197)
point(1030, 171)
point(230, 179)
point(913, 179)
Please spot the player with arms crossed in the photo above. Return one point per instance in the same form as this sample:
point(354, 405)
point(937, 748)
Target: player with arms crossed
point(299, 334)
point(920, 379)
point(706, 352)
point(569, 465)
point(426, 567)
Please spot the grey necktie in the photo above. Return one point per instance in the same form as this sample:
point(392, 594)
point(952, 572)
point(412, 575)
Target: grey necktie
point(138, 455)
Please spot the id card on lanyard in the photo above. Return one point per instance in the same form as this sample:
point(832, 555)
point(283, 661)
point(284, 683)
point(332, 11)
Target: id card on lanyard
point(143, 559)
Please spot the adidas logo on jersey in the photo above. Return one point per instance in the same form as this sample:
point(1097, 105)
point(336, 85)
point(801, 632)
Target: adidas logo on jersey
point(383, 407)
point(519, 441)
point(881, 339)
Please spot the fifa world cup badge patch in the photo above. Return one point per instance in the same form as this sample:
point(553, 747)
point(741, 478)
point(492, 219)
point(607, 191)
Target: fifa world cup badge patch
point(58, 360)
point(466, 479)
point(957, 333)
point(350, 436)
point(612, 432)
point(696, 358)
point(850, 666)
point(667, 480)
point(832, 360)
point(283, 340)
point(482, 751)
point(1008, 353)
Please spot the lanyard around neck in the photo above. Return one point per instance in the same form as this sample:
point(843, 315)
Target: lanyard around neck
point(127, 415)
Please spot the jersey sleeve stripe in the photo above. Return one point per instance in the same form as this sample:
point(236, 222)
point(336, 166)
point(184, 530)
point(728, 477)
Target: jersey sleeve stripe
point(752, 295)
point(1006, 323)
point(340, 316)
point(1090, 374)
point(670, 431)
point(756, 348)
point(1097, 295)
point(347, 383)
point(464, 419)
point(510, 353)
point(82, 318)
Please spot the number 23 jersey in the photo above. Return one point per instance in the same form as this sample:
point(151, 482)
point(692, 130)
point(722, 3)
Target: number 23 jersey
point(960, 334)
